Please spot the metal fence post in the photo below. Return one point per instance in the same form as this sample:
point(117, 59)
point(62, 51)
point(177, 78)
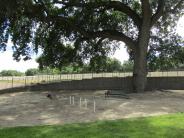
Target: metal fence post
point(12, 82)
point(25, 81)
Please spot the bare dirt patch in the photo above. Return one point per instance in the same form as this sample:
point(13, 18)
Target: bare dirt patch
point(34, 108)
point(9, 85)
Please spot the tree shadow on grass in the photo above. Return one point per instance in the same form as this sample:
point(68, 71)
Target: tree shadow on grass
point(169, 126)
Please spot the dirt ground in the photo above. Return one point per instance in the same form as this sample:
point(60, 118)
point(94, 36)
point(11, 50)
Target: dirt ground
point(7, 85)
point(34, 108)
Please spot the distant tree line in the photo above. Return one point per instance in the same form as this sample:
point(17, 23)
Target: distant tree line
point(11, 73)
point(105, 64)
point(167, 57)
point(96, 65)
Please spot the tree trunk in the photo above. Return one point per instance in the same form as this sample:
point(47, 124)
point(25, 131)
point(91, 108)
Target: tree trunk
point(140, 70)
point(140, 59)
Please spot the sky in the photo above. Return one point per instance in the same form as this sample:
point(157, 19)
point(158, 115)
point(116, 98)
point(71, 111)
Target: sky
point(7, 62)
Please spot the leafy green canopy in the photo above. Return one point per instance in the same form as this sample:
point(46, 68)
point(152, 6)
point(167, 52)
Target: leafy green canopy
point(11, 73)
point(168, 56)
point(71, 31)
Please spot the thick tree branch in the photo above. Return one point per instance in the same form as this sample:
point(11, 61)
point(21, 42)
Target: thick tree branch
point(162, 12)
point(114, 35)
point(110, 34)
point(116, 5)
point(159, 12)
point(146, 9)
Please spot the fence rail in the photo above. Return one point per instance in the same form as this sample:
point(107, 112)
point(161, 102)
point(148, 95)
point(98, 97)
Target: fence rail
point(10, 82)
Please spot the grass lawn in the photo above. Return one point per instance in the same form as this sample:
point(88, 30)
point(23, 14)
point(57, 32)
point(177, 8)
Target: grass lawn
point(166, 126)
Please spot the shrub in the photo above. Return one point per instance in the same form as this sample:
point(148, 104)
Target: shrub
point(32, 72)
point(11, 73)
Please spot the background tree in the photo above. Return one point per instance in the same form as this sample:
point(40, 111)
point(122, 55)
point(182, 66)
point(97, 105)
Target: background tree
point(96, 64)
point(169, 55)
point(113, 65)
point(104, 64)
point(32, 72)
point(11, 73)
point(94, 27)
point(128, 66)
point(165, 53)
point(72, 68)
point(43, 71)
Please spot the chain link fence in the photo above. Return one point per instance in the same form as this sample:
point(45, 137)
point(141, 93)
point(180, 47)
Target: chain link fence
point(12, 82)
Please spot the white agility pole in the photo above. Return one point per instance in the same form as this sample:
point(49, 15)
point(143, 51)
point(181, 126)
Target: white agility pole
point(94, 105)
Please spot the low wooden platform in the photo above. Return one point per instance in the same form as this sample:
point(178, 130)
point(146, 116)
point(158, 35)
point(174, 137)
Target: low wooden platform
point(110, 93)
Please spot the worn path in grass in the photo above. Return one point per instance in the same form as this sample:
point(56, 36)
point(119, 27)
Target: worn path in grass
point(34, 108)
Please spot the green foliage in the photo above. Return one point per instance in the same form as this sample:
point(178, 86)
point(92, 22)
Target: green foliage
point(165, 53)
point(113, 65)
point(50, 71)
point(32, 72)
point(73, 68)
point(11, 73)
point(166, 126)
point(75, 31)
point(96, 64)
point(167, 56)
point(104, 64)
point(128, 66)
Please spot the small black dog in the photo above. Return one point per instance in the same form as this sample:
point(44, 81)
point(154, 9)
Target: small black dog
point(107, 93)
point(49, 96)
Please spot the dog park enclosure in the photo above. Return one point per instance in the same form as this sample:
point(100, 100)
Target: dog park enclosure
point(94, 81)
point(153, 83)
point(29, 105)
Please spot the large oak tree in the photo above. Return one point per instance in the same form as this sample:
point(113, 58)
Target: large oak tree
point(93, 27)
